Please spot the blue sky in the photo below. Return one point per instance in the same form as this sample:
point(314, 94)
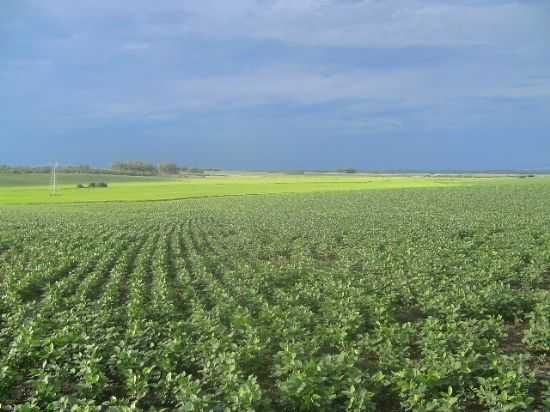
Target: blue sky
point(298, 84)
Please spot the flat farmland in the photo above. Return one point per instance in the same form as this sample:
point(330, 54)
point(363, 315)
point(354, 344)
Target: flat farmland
point(422, 299)
point(26, 189)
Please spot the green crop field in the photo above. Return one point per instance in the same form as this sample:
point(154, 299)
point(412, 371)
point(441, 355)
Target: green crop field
point(421, 299)
point(24, 189)
point(15, 180)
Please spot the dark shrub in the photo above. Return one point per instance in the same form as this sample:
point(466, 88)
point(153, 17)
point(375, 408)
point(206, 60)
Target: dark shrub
point(80, 186)
point(92, 184)
point(101, 184)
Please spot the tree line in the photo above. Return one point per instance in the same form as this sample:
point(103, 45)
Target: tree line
point(118, 167)
point(143, 168)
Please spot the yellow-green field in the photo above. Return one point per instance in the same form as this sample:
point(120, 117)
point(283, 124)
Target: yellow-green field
point(24, 190)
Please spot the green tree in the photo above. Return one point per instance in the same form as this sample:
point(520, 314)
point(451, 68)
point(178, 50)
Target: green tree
point(169, 168)
point(137, 167)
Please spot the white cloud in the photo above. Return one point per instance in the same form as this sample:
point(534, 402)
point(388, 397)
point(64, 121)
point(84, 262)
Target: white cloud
point(505, 26)
point(367, 23)
point(393, 90)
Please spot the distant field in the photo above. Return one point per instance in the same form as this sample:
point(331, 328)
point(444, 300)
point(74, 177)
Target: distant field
point(42, 179)
point(33, 188)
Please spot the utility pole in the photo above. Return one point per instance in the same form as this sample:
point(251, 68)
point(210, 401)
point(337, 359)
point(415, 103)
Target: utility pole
point(53, 179)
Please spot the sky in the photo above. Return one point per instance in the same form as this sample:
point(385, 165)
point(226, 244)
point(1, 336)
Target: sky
point(277, 84)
